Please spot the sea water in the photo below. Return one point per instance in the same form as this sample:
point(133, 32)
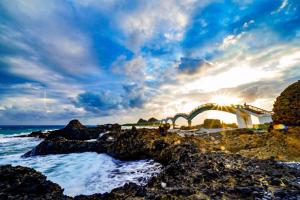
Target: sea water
point(78, 173)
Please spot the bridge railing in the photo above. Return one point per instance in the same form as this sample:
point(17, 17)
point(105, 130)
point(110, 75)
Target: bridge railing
point(256, 109)
point(245, 107)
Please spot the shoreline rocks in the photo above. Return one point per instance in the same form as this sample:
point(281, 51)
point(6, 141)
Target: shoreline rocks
point(195, 167)
point(224, 165)
point(63, 146)
point(150, 143)
point(26, 183)
point(187, 174)
point(76, 131)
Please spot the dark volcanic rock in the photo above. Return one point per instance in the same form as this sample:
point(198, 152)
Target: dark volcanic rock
point(75, 124)
point(76, 131)
point(25, 183)
point(62, 146)
point(287, 106)
point(37, 134)
point(128, 191)
point(189, 172)
point(163, 129)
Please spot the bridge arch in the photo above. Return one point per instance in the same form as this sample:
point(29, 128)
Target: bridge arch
point(169, 120)
point(180, 116)
point(223, 116)
point(243, 113)
point(208, 107)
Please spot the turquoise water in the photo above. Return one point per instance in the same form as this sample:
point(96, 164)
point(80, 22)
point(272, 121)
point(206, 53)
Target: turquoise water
point(78, 173)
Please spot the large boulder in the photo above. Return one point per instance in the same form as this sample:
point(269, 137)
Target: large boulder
point(26, 183)
point(63, 146)
point(287, 106)
point(75, 124)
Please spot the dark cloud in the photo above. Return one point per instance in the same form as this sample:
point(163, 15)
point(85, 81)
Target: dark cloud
point(104, 103)
point(134, 96)
point(100, 103)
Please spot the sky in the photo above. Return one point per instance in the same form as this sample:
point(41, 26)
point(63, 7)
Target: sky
point(106, 61)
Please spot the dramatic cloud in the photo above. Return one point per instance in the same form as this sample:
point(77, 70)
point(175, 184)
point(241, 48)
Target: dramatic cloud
point(117, 61)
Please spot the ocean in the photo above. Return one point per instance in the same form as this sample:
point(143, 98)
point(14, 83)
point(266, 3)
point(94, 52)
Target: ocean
point(78, 173)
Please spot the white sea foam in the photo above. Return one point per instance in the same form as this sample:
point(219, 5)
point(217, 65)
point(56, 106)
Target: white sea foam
point(291, 164)
point(78, 173)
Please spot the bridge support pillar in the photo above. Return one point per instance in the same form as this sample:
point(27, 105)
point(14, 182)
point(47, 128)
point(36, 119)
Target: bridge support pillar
point(189, 123)
point(244, 119)
point(173, 124)
point(265, 119)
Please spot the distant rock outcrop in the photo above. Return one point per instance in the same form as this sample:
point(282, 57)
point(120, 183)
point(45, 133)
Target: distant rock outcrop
point(76, 131)
point(152, 120)
point(75, 124)
point(287, 106)
point(142, 121)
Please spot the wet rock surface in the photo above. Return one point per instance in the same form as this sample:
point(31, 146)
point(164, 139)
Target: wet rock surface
point(37, 134)
point(287, 106)
point(25, 183)
point(63, 146)
point(196, 167)
point(191, 174)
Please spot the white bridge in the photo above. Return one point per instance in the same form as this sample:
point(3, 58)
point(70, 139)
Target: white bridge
point(243, 114)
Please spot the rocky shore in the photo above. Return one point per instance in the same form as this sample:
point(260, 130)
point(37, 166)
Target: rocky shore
point(195, 167)
point(234, 164)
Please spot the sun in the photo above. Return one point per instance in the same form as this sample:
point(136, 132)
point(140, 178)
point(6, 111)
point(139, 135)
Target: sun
point(223, 100)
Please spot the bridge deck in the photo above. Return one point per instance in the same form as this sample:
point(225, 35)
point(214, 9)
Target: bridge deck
point(213, 106)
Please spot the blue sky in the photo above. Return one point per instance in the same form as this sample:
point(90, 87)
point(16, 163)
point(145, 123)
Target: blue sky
point(116, 60)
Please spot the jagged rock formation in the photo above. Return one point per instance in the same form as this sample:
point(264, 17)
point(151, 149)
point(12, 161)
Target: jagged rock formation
point(25, 183)
point(191, 174)
point(148, 142)
point(75, 124)
point(197, 167)
point(63, 146)
point(76, 131)
point(37, 134)
point(287, 106)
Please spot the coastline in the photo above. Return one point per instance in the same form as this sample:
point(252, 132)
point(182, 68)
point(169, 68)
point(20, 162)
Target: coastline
point(207, 168)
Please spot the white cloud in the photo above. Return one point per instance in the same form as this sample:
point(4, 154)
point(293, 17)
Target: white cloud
point(46, 33)
point(167, 18)
point(134, 69)
point(145, 21)
point(247, 24)
point(281, 7)
point(255, 73)
point(31, 69)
